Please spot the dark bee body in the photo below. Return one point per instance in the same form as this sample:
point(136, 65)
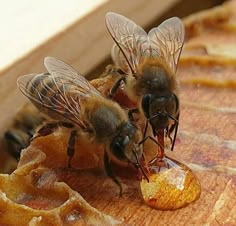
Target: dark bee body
point(149, 61)
point(22, 129)
point(156, 87)
point(154, 78)
point(69, 99)
point(102, 118)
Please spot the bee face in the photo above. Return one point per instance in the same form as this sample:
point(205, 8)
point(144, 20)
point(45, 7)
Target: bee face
point(160, 109)
point(125, 145)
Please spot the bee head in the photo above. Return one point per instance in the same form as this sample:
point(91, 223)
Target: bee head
point(126, 143)
point(160, 109)
point(126, 146)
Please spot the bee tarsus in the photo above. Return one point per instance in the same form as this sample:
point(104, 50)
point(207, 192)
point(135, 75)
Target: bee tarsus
point(141, 168)
point(109, 172)
point(175, 128)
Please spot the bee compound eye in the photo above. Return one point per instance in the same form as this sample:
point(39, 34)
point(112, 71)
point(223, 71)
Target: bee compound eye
point(117, 150)
point(125, 141)
point(116, 146)
point(146, 104)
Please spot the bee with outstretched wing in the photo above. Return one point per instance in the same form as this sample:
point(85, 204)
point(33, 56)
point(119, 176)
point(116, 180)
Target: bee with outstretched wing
point(149, 62)
point(68, 98)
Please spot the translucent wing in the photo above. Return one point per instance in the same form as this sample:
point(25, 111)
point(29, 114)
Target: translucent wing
point(119, 59)
point(58, 94)
point(60, 69)
point(129, 38)
point(167, 40)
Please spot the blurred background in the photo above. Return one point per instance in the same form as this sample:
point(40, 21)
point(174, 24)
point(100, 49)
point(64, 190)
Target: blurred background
point(25, 25)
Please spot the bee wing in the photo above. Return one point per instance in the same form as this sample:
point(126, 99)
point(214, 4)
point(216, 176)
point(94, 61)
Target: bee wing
point(167, 41)
point(64, 71)
point(58, 94)
point(129, 39)
point(119, 59)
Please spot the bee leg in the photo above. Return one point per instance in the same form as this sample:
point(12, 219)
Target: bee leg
point(151, 138)
point(144, 139)
point(110, 173)
point(45, 130)
point(49, 128)
point(71, 146)
point(115, 87)
point(174, 127)
point(131, 112)
point(168, 135)
point(145, 105)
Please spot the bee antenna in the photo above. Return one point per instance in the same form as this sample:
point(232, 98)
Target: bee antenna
point(164, 114)
point(140, 166)
point(173, 118)
point(176, 129)
point(151, 138)
point(154, 116)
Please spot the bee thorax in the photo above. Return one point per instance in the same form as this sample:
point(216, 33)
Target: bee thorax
point(155, 80)
point(105, 122)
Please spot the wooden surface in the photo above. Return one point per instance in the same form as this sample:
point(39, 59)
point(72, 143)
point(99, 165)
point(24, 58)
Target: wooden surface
point(206, 139)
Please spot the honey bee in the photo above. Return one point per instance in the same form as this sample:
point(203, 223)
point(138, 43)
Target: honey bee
point(149, 63)
point(25, 123)
point(67, 97)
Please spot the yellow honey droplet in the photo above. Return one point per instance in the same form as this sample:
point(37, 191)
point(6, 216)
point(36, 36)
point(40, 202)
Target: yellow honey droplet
point(170, 188)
